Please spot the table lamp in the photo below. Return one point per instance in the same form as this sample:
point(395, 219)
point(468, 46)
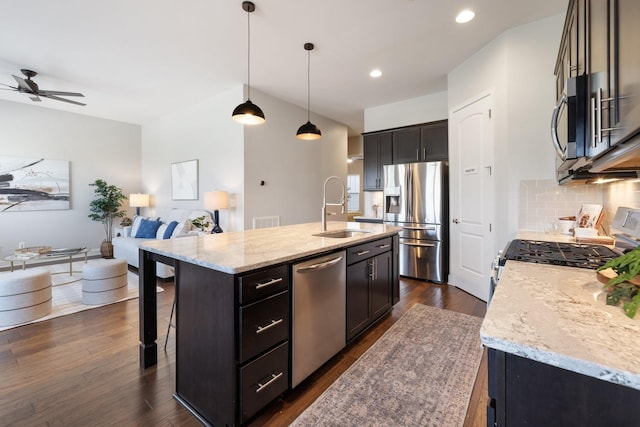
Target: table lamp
point(215, 200)
point(138, 200)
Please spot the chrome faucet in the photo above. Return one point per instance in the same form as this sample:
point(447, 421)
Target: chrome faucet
point(325, 204)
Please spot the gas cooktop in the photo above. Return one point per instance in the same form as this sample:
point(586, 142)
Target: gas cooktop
point(558, 253)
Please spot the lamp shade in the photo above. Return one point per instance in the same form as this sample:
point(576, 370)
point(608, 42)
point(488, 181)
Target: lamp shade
point(215, 200)
point(308, 131)
point(248, 113)
point(138, 200)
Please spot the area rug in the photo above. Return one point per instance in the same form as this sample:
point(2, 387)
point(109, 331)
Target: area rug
point(66, 292)
point(419, 373)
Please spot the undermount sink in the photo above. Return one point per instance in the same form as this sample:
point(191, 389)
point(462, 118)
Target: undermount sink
point(341, 234)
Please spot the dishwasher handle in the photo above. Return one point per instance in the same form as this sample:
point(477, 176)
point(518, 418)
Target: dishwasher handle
point(320, 265)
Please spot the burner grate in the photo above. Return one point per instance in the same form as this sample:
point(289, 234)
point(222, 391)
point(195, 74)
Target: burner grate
point(559, 253)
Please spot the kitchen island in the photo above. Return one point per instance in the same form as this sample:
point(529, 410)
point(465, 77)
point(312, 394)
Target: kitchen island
point(233, 305)
point(558, 355)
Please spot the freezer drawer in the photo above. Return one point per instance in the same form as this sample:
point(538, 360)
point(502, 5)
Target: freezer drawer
point(422, 259)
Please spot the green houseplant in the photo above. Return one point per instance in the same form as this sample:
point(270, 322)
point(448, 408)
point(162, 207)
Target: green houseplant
point(105, 207)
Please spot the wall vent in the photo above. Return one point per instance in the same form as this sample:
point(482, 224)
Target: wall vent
point(265, 221)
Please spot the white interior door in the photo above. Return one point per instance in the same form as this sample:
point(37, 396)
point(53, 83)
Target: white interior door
point(471, 197)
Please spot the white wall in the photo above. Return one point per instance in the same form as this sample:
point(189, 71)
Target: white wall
point(204, 132)
point(293, 170)
point(413, 111)
point(236, 158)
point(96, 149)
point(517, 68)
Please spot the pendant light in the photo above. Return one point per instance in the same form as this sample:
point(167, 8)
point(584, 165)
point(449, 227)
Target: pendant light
point(248, 113)
point(308, 131)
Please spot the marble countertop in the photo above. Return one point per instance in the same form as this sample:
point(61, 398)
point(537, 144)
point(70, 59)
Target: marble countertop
point(558, 316)
point(241, 251)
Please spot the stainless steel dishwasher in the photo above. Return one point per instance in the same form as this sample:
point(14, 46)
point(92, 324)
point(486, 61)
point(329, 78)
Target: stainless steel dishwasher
point(319, 313)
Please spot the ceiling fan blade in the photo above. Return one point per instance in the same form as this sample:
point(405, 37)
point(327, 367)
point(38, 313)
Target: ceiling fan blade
point(57, 92)
point(61, 99)
point(26, 85)
point(9, 86)
point(34, 98)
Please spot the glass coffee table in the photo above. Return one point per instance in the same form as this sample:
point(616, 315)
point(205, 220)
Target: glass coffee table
point(53, 255)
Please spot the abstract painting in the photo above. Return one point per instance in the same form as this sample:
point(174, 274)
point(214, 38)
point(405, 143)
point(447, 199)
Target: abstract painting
point(33, 184)
point(184, 180)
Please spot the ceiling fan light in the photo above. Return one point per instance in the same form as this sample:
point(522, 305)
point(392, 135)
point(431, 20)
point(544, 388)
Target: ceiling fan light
point(308, 131)
point(248, 113)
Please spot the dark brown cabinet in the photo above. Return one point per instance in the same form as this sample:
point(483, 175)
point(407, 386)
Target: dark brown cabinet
point(422, 143)
point(524, 392)
point(232, 341)
point(426, 142)
point(624, 107)
point(369, 284)
point(377, 152)
point(601, 40)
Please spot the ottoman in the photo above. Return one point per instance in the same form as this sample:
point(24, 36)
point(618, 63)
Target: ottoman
point(104, 281)
point(25, 295)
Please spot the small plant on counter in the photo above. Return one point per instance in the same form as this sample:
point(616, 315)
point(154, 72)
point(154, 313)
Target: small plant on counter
point(620, 288)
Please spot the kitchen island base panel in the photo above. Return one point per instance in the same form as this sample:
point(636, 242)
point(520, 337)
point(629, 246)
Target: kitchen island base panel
point(524, 392)
point(205, 342)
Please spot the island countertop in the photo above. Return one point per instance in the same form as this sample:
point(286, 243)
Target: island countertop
point(558, 316)
point(241, 251)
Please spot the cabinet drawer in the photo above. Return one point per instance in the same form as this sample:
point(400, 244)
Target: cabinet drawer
point(263, 324)
point(367, 250)
point(262, 380)
point(261, 284)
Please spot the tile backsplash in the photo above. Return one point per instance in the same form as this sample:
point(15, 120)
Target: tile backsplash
point(542, 202)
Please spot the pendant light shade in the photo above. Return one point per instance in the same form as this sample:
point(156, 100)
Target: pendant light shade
point(308, 131)
point(248, 113)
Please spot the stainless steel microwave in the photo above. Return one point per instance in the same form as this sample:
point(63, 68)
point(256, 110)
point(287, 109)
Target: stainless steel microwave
point(569, 127)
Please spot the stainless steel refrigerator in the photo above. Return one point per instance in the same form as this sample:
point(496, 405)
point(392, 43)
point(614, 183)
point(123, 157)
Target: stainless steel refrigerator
point(416, 198)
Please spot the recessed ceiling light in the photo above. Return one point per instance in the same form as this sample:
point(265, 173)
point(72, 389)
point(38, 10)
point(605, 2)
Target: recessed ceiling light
point(375, 73)
point(465, 16)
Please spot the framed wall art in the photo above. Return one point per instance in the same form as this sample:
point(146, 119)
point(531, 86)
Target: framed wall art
point(184, 180)
point(33, 184)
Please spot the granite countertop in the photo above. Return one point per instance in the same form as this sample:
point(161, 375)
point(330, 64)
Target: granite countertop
point(558, 315)
point(240, 251)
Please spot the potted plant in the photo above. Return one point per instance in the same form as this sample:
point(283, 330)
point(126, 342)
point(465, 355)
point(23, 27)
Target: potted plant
point(105, 208)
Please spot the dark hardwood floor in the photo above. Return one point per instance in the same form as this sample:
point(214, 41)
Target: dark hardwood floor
point(82, 369)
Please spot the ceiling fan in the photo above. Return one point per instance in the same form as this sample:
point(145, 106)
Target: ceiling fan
point(31, 88)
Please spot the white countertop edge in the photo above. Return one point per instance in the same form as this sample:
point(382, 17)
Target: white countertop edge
point(339, 244)
point(579, 366)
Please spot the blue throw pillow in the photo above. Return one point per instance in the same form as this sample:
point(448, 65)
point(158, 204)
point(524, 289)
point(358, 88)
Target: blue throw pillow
point(169, 231)
point(148, 229)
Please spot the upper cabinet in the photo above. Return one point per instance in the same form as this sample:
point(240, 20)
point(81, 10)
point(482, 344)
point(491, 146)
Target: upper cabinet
point(426, 142)
point(377, 153)
point(607, 45)
point(624, 108)
point(423, 143)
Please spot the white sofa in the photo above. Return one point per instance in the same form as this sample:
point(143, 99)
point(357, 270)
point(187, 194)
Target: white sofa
point(126, 246)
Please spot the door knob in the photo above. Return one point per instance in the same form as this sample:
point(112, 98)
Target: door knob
point(455, 221)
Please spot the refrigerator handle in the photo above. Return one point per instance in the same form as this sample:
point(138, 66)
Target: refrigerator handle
point(429, 227)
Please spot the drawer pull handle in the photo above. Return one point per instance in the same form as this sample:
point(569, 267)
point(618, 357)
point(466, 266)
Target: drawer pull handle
point(274, 377)
point(273, 323)
point(384, 246)
point(360, 253)
point(270, 282)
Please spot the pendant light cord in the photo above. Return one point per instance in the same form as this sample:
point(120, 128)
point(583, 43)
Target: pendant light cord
point(248, 55)
point(308, 85)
